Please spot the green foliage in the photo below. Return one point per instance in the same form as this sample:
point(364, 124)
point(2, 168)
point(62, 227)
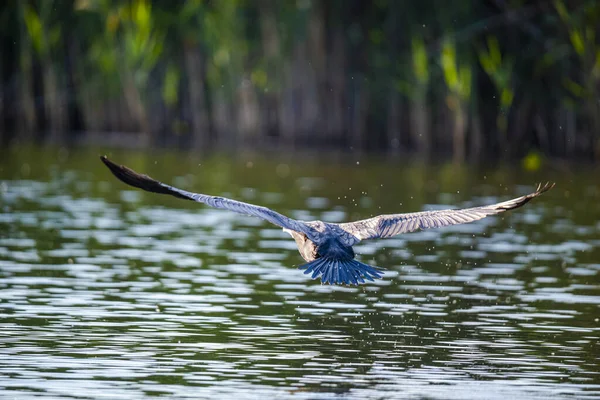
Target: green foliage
point(581, 29)
point(45, 36)
point(223, 36)
point(131, 43)
point(573, 87)
point(416, 86)
point(457, 75)
point(141, 43)
point(500, 69)
point(532, 161)
point(420, 59)
point(34, 28)
point(170, 89)
point(141, 47)
point(577, 41)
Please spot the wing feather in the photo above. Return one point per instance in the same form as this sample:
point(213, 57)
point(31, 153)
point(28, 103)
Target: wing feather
point(149, 184)
point(384, 226)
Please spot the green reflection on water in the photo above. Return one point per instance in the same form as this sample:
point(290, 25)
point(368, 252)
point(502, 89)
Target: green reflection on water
point(104, 284)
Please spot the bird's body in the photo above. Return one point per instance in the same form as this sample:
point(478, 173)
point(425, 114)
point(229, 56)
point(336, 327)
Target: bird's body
point(327, 247)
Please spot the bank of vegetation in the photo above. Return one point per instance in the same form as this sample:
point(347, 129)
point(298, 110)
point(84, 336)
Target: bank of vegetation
point(468, 80)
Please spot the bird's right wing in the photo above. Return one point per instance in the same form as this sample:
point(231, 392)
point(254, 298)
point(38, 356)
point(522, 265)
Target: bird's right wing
point(384, 226)
point(144, 182)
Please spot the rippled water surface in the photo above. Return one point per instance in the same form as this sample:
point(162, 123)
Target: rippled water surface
point(107, 292)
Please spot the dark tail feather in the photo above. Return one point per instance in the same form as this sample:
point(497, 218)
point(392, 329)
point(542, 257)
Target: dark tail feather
point(334, 271)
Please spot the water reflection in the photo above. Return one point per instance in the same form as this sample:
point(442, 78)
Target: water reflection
point(107, 290)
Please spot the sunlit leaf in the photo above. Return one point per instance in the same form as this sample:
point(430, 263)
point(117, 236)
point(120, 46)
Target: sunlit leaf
point(506, 97)
point(487, 64)
point(34, 28)
point(532, 161)
point(171, 85)
point(448, 61)
point(561, 10)
point(494, 51)
point(575, 88)
point(577, 42)
point(141, 14)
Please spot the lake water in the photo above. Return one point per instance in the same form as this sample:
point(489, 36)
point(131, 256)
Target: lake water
point(108, 292)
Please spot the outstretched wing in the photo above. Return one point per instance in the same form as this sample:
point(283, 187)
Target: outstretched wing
point(149, 184)
point(384, 226)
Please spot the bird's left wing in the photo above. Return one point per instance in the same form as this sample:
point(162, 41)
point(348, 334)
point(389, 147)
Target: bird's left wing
point(141, 181)
point(384, 226)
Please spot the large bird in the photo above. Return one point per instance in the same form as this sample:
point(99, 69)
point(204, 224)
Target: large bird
point(327, 247)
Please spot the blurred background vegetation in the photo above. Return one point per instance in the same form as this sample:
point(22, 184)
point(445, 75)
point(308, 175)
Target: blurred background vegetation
point(468, 80)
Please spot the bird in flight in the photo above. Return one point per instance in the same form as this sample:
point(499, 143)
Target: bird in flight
point(327, 247)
